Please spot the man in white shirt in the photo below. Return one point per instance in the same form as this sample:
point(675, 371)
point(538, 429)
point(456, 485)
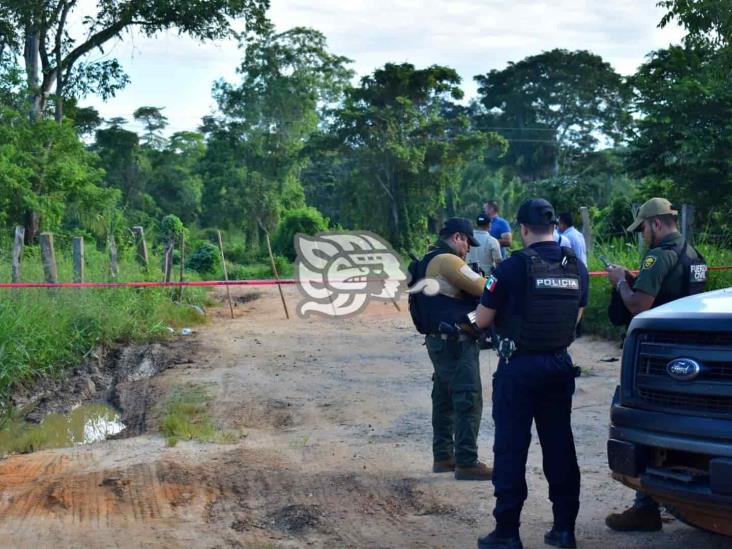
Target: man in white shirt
point(563, 241)
point(576, 238)
point(488, 254)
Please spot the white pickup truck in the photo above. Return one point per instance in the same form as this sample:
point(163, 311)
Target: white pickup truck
point(671, 416)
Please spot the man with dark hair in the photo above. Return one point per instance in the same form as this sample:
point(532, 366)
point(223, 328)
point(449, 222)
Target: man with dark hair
point(457, 395)
point(534, 299)
point(576, 238)
point(500, 228)
point(665, 275)
point(488, 254)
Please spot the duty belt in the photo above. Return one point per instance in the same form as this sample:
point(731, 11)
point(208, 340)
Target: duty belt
point(453, 337)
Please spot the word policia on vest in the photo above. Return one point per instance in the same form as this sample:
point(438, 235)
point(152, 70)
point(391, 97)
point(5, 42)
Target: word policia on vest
point(557, 283)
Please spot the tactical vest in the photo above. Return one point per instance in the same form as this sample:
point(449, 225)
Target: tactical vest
point(550, 305)
point(694, 275)
point(428, 311)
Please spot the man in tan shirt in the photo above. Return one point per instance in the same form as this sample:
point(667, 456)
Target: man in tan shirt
point(457, 402)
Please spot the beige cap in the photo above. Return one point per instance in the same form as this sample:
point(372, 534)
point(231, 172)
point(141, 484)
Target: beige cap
point(651, 208)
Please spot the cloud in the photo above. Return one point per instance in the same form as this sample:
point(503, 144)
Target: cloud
point(472, 36)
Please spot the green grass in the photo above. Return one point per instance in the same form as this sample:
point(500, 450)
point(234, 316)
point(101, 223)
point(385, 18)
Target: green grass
point(186, 417)
point(45, 331)
point(625, 253)
point(261, 270)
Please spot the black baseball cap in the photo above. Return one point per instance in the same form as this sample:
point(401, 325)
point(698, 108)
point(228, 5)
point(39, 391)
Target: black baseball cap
point(536, 211)
point(483, 219)
point(459, 225)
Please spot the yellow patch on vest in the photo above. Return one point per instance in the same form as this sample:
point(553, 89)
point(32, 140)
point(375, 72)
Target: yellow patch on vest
point(648, 262)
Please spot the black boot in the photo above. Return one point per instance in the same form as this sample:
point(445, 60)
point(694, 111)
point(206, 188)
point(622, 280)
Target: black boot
point(493, 540)
point(560, 538)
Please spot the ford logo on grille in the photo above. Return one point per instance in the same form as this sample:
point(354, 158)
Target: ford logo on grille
point(683, 369)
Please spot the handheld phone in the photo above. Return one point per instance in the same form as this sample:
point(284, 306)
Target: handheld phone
point(605, 261)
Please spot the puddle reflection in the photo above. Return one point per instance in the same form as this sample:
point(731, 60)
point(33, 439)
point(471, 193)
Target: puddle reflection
point(83, 425)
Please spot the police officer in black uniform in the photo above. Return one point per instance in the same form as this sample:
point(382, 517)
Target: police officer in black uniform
point(534, 299)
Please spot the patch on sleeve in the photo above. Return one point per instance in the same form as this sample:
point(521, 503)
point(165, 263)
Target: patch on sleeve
point(470, 273)
point(648, 262)
point(490, 284)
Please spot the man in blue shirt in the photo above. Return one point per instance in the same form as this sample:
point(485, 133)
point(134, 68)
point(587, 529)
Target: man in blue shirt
point(576, 238)
point(500, 228)
point(534, 299)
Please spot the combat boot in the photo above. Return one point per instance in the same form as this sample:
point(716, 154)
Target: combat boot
point(494, 541)
point(444, 465)
point(560, 538)
point(635, 519)
point(476, 471)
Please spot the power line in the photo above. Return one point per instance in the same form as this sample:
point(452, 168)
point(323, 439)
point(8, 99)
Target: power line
point(531, 141)
point(521, 129)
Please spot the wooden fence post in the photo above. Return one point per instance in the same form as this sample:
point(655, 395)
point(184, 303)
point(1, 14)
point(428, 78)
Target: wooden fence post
point(141, 246)
point(78, 247)
point(182, 263)
point(48, 256)
point(226, 274)
point(168, 259)
point(276, 275)
point(113, 260)
point(17, 254)
point(687, 223)
point(586, 228)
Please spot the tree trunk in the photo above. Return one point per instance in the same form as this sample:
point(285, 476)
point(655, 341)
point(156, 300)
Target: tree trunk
point(450, 201)
point(59, 66)
point(406, 228)
point(32, 226)
point(59, 114)
point(31, 55)
point(253, 236)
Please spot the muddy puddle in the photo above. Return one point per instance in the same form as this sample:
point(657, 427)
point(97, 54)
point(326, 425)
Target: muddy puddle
point(83, 425)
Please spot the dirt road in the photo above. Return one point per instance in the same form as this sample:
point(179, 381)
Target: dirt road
point(337, 452)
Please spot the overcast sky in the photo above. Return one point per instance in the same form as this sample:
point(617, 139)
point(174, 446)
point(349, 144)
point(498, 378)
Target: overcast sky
point(472, 36)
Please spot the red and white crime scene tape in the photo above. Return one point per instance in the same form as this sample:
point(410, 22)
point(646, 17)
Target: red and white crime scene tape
point(261, 282)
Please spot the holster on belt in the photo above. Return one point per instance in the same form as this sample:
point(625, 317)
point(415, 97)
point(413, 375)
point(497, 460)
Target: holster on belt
point(469, 329)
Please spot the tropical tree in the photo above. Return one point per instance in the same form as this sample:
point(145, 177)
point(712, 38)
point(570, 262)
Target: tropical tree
point(255, 140)
point(174, 182)
point(153, 120)
point(706, 21)
point(553, 107)
point(46, 170)
point(126, 166)
point(57, 60)
point(402, 150)
point(683, 97)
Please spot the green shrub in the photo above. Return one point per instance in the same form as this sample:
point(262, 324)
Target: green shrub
point(186, 416)
point(301, 220)
point(171, 226)
point(44, 332)
point(205, 259)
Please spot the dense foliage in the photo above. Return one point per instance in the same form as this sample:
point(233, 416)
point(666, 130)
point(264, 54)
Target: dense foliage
point(396, 152)
point(296, 145)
